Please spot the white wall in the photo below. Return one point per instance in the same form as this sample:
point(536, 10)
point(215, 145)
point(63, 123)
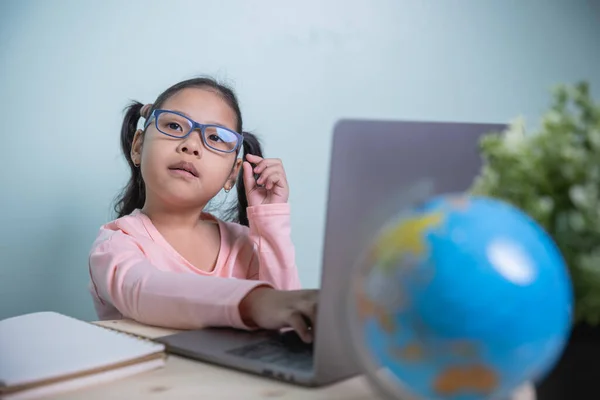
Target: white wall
point(67, 69)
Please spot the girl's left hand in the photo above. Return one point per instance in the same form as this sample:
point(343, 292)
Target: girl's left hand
point(271, 187)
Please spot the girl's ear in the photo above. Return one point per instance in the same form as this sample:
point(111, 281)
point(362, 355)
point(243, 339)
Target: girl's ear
point(233, 175)
point(136, 147)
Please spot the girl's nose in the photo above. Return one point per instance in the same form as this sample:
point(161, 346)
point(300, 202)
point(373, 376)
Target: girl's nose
point(192, 145)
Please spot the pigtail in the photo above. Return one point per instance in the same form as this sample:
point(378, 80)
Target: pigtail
point(251, 146)
point(133, 194)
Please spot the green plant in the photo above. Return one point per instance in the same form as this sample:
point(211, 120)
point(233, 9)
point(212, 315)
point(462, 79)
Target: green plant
point(553, 174)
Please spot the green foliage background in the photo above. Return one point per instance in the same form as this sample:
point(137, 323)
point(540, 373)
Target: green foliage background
point(553, 174)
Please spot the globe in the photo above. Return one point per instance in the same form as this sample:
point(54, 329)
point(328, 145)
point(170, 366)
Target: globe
point(462, 298)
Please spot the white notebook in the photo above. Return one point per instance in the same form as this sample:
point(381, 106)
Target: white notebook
point(46, 353)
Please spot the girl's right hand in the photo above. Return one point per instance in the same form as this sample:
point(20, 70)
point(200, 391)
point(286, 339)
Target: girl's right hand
point(268, 308)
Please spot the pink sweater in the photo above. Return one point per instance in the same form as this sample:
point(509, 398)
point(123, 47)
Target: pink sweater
point(136, 274)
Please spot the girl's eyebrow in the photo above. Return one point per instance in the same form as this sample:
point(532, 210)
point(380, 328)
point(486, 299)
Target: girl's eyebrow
point(206, 123)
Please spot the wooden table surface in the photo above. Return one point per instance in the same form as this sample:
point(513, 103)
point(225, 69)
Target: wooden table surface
point(186, 379)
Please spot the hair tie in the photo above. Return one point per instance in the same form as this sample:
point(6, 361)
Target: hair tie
point(145, 110)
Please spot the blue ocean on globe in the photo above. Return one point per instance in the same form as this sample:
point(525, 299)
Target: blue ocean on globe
point(464, 298)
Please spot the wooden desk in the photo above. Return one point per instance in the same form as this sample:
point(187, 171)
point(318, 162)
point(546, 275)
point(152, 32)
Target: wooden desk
point(185, 379)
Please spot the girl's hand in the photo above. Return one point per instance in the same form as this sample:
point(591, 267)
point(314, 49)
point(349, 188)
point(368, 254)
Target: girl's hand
point(272, 309)
point(271, 187)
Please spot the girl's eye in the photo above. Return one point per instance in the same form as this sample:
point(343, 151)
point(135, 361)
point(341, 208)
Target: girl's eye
point(174, 126)
point(215, 138)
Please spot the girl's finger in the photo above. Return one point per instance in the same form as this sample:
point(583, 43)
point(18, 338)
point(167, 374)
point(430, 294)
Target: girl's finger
point(267, 163)
point(248, 176)
point(272, 179)
point(253, 159)
point(309, 312)
point(265, 177)
point(297, 323)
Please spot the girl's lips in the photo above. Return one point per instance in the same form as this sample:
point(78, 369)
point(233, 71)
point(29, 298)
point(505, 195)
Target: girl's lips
point(183, 173)
point(184, 166)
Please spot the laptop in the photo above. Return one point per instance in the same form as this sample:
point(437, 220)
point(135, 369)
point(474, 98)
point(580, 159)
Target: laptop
point(372, 164)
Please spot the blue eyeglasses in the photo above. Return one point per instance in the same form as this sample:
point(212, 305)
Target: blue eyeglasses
point(177, 125)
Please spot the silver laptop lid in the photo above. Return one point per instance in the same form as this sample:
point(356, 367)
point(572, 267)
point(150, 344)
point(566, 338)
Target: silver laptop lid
point(372, 164)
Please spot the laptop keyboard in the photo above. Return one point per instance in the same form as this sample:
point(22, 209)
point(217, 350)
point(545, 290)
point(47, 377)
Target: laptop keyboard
point(286, 350)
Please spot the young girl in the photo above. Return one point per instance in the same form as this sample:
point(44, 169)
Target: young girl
point(165, 261)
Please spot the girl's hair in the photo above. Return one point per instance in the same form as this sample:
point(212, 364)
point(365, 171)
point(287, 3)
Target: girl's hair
point(133, 194)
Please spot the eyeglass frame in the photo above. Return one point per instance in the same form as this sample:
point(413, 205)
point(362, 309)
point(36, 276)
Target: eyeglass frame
point(195, 125)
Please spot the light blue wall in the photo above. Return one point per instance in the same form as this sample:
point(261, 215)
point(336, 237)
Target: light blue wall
point(67, 69)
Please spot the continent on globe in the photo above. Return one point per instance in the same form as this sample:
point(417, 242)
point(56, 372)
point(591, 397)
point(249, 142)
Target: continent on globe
point(411, 352)
point(368, 308)
point(468, 379)
point(415, 351)
point(406, 238)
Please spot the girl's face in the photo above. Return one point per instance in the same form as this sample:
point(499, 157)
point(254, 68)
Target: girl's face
point(162, 157)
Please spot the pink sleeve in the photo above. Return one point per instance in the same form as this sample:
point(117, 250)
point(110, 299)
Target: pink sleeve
point(124, 277)
point(275, 259)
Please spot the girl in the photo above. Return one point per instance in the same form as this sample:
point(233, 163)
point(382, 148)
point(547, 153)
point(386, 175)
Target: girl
point(167, 262)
